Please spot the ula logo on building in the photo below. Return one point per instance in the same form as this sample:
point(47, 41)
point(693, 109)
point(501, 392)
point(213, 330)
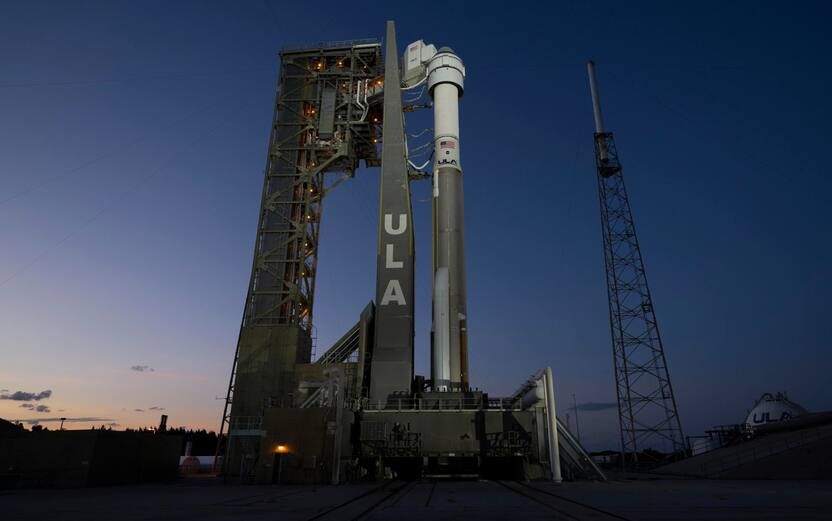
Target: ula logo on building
point(393, 292)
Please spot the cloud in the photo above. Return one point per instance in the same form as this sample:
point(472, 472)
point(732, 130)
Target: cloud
point(139, 410)
point(42, 408)
point(35, 421)
point(597, 406)
point(112, 424)
point(27, 405)
point(23, 396)
point(156, 408)
point(142, 368)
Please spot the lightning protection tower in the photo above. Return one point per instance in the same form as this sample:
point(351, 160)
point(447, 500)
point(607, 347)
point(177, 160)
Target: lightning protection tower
point(647, 410)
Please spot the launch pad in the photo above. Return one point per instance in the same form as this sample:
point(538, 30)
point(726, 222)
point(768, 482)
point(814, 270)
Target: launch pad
point(359, 411)
point(440, 500)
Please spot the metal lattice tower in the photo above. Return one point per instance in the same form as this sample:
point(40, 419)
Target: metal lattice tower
point(325, 121)
point(647, 410)
point(319, 126)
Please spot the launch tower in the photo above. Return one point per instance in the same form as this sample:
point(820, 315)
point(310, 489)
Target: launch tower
point(323, 123)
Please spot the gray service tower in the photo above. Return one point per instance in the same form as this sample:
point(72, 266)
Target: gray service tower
point(357, 411)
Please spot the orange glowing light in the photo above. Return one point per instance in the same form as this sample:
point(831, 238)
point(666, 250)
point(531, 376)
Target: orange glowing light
point(282, 449)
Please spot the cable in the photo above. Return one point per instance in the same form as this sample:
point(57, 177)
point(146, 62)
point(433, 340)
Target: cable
point(98, 213)
point(421, 147)
point(33, 187)
point(417, 97)
point(51, 178)
point(416, 84)
point(419, 168)
point(62, 83)
point(422, 133)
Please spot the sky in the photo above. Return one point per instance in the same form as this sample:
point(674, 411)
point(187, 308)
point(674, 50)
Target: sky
point(132, 145)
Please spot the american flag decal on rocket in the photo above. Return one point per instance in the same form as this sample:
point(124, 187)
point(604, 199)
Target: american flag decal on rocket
point(447, 144)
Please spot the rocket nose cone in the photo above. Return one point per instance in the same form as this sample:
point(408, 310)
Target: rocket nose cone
point(445, 49)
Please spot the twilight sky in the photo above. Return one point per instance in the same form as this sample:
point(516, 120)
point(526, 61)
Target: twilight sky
point(132, 142)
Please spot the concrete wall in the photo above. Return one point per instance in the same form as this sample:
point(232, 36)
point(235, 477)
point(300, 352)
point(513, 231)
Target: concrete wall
point(46, 459)
point(309, 438)
point(266, 368)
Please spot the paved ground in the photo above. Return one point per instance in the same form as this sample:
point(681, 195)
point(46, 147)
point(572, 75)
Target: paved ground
point(207, 500)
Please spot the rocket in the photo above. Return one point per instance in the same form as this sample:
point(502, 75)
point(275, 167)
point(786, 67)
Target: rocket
point(445, 75)
point(449, 349)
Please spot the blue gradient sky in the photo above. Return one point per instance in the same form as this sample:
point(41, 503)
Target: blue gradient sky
point(132, 142)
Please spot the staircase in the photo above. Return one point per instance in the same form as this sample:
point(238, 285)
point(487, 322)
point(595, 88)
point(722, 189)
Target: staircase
point(342, 349)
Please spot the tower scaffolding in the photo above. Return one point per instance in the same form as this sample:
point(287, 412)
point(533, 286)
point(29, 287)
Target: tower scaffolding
point(324, 121)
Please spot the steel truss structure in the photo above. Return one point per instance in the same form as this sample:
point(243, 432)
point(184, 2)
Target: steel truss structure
point(325, 120)
point(319, 126)
point(646, 404)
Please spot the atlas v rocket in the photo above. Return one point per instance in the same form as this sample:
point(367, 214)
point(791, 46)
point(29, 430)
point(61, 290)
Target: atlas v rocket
point(392, 364)
point(449, 353)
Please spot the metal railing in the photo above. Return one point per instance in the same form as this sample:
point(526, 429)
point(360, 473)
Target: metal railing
point(246, 423)
point(336, 44)
point(503, 404)
point(343, 347)
point(439, 404)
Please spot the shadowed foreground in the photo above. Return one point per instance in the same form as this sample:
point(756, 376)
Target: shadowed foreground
point(206, 499)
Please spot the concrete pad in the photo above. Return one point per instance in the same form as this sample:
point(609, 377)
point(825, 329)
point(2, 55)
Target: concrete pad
point(208, 500)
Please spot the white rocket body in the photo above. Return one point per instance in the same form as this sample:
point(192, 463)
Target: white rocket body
point(441, 356)
point(445, 76)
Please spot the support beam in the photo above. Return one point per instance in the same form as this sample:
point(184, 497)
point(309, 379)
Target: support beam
point(392, 364)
